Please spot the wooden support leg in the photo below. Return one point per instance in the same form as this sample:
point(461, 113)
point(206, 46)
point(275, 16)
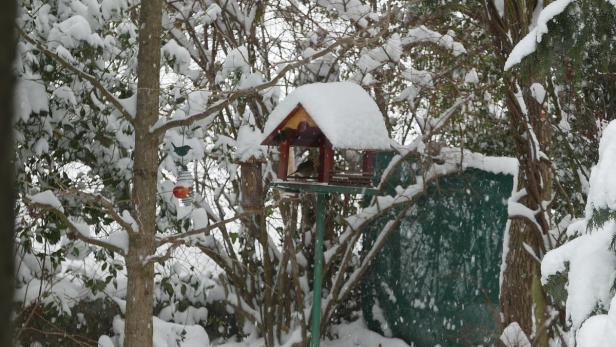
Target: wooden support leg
point(327, 154)
point(283, 165)
point(366, 165)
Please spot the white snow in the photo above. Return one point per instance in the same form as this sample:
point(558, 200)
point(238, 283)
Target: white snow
point(528, 44)
point(47, 198)
point(69, 32)
point(129, 104)
point(471, 77)
point(353, 10)
point(30, 97)
point(602, 192)
point(591, 271)
point(500, 7)
point(111, 8)
point(197, 102)
point(65, 94)
point(374, 58)
point(423, 34)
point(180, 56)
point(590, 262)
point(119, 239)
point(165, 334)
point(538, 92)
point(599, 330)
point(199, 218)
point(345, 112)
point(354, 334)
point(249, 143)
point(514, 336)
point(212, 12)
point(236, 60)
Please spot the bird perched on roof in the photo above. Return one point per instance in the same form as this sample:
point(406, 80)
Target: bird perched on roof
point(305, 169)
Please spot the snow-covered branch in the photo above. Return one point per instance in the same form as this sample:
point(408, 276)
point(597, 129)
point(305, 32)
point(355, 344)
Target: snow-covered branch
point(82, 74)
point(528, 45)
point(48, 202)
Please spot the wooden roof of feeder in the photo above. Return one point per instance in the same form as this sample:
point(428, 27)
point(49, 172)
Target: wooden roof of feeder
point(341, 113)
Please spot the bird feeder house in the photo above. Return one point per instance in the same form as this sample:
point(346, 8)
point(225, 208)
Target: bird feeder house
point(332, 117)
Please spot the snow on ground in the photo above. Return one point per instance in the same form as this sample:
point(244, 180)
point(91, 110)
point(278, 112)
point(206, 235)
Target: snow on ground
point(514, 336)
point(354, 334)
point(165, 335)
point(344, 111)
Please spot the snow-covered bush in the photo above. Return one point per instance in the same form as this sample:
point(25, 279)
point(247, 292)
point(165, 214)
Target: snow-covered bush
point(589, 259)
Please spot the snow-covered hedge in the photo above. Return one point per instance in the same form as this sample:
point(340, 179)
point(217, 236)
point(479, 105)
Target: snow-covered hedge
point(589, 260)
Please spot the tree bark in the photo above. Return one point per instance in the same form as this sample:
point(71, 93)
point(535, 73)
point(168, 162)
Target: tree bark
point(519, 299)
point(7, 191)
point(139, 297)
point(254, 224)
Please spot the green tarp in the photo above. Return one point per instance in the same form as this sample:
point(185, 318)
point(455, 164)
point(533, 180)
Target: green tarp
point(436, 281)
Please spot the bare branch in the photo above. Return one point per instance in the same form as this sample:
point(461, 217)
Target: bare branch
point(177, 237)
point(230, 98)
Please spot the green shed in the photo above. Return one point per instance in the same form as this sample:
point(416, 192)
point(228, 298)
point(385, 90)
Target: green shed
point(437, 280)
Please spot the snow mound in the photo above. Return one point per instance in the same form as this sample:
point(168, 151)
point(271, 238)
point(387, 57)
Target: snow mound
point(514, 336)
point(165, 334)
point(599, 330)
point(344, 112)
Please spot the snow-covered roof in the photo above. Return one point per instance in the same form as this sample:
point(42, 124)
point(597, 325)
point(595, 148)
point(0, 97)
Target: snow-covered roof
point(345, 113)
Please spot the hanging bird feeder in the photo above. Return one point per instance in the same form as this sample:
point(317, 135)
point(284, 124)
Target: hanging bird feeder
point(183, 189)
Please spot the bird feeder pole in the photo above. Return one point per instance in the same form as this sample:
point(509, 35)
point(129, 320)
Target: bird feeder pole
point(315, 325)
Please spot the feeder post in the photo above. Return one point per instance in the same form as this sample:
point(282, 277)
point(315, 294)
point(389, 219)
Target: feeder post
point(326, 162)
point(366, 164)
point(251, 185)
point(283, 165)
point(315, 325)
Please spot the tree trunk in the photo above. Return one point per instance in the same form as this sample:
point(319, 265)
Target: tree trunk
point(519, 299)
point(139, 297)
point(7, 192)
point(254, 224)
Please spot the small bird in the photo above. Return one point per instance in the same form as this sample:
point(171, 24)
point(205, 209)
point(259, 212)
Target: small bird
point(304, 169)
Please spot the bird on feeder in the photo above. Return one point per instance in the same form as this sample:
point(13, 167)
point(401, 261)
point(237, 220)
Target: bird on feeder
point(304, 169)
